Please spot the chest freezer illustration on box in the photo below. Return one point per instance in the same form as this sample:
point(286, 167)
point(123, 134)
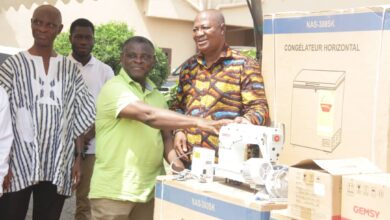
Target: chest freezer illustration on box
point(317, 109)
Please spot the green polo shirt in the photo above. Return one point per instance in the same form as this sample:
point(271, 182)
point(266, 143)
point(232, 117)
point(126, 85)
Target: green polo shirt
point(129, 154)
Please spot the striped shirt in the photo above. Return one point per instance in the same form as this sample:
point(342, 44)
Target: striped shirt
point(48, 112)
point(232, 86)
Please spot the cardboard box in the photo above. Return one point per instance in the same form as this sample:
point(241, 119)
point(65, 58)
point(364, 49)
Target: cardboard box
point(327, 79)
point(314, 187)
point(366, 197)
point(281, 215)
point(191, 200)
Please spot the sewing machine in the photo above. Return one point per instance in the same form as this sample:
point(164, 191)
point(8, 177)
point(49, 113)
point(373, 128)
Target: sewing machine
point(233, 162)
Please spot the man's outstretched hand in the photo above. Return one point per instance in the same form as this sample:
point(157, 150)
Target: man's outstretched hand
point(212, 126)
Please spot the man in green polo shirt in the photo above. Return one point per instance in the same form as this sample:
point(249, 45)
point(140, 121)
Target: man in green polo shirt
point(133, 133)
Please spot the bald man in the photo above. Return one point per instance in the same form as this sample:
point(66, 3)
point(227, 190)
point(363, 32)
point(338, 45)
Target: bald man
point(51, 108)
point(224, 84)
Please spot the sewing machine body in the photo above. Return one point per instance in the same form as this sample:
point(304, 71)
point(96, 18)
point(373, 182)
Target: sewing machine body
point(233, 162)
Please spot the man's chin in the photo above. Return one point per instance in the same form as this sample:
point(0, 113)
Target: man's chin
point(203, 49)
point(82, 53)
point(43, 43)
point(202, 46)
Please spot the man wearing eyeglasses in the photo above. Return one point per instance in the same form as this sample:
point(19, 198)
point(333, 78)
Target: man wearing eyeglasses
point(133, 134)
point(217, 83)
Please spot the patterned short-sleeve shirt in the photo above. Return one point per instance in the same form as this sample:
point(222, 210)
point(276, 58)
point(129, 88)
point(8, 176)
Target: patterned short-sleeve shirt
point(233, 86)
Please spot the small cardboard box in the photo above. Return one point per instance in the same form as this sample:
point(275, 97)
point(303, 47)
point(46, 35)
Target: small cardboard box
point(366, 197)
point(191, 200)
point(314, 187)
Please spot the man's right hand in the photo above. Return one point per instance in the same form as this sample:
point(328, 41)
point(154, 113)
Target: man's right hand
point(212, 126)
point(180, 145)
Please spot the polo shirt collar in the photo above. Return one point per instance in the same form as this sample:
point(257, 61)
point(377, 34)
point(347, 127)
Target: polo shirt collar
point(91, 61)
point(149, 84)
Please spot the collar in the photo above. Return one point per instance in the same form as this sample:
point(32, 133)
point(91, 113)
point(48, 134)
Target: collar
point(92, 61)
point(31, 56)
point(225, 53)
point(149, 85)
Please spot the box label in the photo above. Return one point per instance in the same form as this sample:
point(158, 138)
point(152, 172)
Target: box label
point(366, 211)
point(207, 205)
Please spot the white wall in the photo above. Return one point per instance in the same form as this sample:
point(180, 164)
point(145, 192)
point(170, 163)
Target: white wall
point(236, 14)
point(168, 23)
point(16, 32)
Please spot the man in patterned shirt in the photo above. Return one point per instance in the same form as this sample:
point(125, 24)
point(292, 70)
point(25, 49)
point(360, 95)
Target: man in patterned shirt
point(217, 83)
point(50, 109)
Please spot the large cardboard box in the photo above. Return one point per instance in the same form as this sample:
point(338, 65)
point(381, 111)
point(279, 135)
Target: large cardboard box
point(366, 197)
point(191, 200)
point(314, 187)
point(327, 78)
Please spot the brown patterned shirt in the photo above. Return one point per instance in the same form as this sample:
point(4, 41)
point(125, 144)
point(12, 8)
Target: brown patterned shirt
point(233, 86)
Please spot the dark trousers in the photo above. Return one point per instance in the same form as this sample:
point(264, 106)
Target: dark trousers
point(47, 204)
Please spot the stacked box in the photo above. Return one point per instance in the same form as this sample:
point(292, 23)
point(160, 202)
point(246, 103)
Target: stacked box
point(314, 188)
point(191, 200)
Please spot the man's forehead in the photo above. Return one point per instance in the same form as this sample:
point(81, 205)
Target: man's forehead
point(133, 46)
point(206, 18)
point(83, 30)
point(47, 11)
